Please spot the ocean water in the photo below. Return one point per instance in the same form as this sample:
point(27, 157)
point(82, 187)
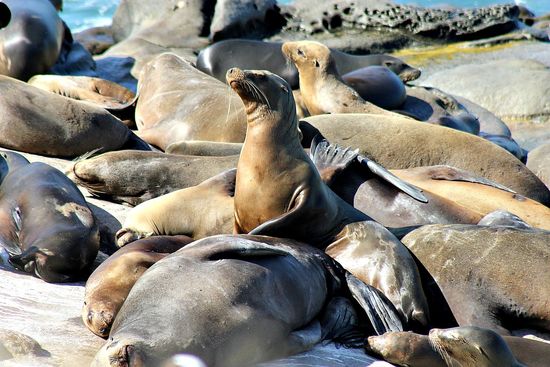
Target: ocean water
point(80, 14)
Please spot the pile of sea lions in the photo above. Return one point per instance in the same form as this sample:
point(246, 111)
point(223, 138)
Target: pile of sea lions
point(280, 202)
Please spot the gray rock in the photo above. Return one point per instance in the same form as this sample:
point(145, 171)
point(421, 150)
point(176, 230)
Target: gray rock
point(245, 18)
point(511, 88)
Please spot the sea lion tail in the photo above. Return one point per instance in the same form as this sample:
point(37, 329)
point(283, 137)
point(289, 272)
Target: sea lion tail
point(330, 159)
point(380, 311)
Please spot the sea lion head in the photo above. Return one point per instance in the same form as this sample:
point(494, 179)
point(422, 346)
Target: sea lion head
point(308, 56)
point(394, 347)
point(472, 346)
point(266, 96)
point(120, 352)
point(98, 316)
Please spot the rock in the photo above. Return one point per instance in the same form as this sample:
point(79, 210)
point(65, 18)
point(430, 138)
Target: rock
point(538, 161)
point(167, 23)
point(511, 88)
point(245, 18)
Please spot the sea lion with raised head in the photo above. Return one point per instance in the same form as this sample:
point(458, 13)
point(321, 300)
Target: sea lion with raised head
point(113, 175)
point(110, 283)
point(216, 59)
point(30, 39)
point(297, 204)
point(218, 301)
point(488, 290)
point(39, 122)
point(199, 211)
point(47, 227)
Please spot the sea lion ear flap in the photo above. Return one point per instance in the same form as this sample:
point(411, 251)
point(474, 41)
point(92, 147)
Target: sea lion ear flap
point(5, 15)
point(380, 311)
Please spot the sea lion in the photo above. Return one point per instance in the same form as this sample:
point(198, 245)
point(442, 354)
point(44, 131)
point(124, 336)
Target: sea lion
point(113, 175)
point(503, 218)
point(103, 93)
point(204, 148)
point(295, 200)
point(177, 102)
point(538, 161)
point(110, 283)
point(341, 170)
point(14, 344)
point(198, 211)
point(401, 143)
point(31, 39)
point(378, 85)
point(216, 59)
point(488, 290)
point(322, 88)
point(218, 301)
point(476, 193)
point(414, 350)
point(473, 347)
point(40, 122)
point(48, 229)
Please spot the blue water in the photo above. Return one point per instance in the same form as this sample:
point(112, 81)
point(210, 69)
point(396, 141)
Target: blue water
point(82, 14)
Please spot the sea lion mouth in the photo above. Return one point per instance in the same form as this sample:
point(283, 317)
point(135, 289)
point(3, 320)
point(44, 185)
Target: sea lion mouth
point(241, 82)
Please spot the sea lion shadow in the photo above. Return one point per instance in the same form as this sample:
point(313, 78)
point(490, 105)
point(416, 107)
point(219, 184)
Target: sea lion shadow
point(419, 108)
point(108, 226)
point(117, 69)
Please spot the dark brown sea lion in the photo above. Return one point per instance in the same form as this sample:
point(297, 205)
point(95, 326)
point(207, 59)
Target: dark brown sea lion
point(110, 283)
point(218, 298)
point(322, 88)
point(177, 102)
point(216, 59)
point(488, 290)
point(47, 227)
point(414, 350)
point(40, 122)
point(30, 39)
point(297, 204)
point(400, 144)
point(198, 211)
point(114, 174)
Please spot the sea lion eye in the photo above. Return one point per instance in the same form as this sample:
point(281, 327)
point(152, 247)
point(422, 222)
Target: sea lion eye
point(301, 53)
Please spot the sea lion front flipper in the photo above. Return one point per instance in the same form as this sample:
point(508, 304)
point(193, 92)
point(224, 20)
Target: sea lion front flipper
point(380, 311)
point(278, 226)
point(389, 177)
point(304, 339)
point(330, 159)
point(449, 173)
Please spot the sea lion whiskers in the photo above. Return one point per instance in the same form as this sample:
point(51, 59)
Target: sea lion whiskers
point(260, 94)
point(435, 344)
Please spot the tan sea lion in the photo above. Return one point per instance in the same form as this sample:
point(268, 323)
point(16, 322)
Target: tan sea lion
point(322, 88)
point(204, 148)
point(400, 143)
point(113, 175)
point(488, 289)
point(198, 211)
point(414, 350)
point(110, 283)
point(221, 294)
point(538, 161)
point(39, 122)
point(177, 102)
point(475, 193)
point(297, 204)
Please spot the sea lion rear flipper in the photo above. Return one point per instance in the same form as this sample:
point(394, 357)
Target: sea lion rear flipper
point(389, 177)
point(340, 323)
point(449, 173)
point(380, 311)
point(304, 339)
point(330, 159)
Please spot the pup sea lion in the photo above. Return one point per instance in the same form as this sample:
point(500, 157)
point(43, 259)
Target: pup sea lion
point(113, 174)
point(40, 122)
point(218, 301)
point(198, 211)
point(488, 290)
point(31, 38)
point(297, 204)
point(401, 143)
point(216, 59)
point(177, 102)
point(110, 283)
point(47, 227)
point(415, 350)
point(321, 86)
